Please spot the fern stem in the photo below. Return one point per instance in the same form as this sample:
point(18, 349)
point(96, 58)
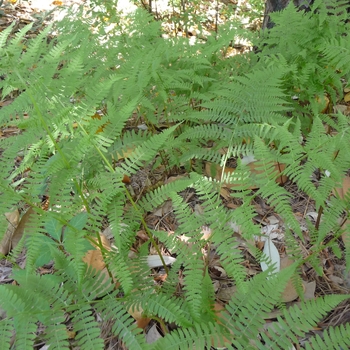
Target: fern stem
point(318, 220)
point(149, 234)
point(112, 170)
point(109, 166)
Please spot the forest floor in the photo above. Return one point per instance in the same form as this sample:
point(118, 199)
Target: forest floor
point(334, 280)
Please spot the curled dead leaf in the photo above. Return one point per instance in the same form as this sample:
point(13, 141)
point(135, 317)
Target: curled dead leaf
point(137, 314)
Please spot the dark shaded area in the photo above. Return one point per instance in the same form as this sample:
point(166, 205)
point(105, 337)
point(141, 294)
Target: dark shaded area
point(278, 5)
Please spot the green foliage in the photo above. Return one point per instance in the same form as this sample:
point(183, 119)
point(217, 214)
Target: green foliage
point(243, 104)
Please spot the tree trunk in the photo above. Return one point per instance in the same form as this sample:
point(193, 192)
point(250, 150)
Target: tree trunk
point(279, 5)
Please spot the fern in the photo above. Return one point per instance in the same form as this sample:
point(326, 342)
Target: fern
point(332, 339)
point(295, 322)
point(79, 102)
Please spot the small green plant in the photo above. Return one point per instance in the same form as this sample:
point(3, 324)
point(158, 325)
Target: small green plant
point(243, 104)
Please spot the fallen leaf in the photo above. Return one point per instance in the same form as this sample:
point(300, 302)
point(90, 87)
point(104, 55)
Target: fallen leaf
point(23, 224)
point(347, 97)
point(345, 187)
point(340, 108)
point(142, 235)
point(342, 191)
point(222, 313)
point(271, 255)
point(336, 279)
point(226, 294)
point(153, 335)
point(94, 257)
point(126, 153)
point(207, 232)
point(323, 101)
point(136, 313)
point(346, 234)
point(155, 261)
point(6, 242)
point(290, 293)
point(225, 193)
point(309, 290)
point(164, 209)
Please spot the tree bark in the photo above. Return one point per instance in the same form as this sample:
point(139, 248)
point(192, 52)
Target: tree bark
point(279, 5)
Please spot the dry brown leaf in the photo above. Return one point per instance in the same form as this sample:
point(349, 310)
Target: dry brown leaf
point(347, 97)
point(221, 313)
point(346, 234)
point(323, 102)
point(340, 108)
point(71, 334)
point(225, 294)
point(164, 209)
point(345, 188)
point(94, 258)
point(336, 280)
point(342, 192)
point(309, 290)
point(5, 244)
point(23, 224)
point(225, 193)
point(174, 178)
point(125, 154)
point(289, 293)
point(142, 235)
point(141, 321)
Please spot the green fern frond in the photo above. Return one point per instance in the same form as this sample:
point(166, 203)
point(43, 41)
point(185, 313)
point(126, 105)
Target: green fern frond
point(332, 338)
point(5, 34)
point(6, 329)
point(258, 298)
point(87, 329)
point(297, 320)
point(197, 337)
point(25, 329)
point(166, 307)
point(146, 152)
point(124, 325)
point(155, 198)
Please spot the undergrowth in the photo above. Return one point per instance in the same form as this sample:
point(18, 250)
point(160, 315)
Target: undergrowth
point(189, 96)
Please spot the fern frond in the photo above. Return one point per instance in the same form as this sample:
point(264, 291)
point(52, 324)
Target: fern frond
point(297, 320)
point(87, 329)
point(146, 152)
point(124, 325)
point(6, 329)
point(197, 337)
point(248, 306)
point(167, 308)
point(332, 338)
